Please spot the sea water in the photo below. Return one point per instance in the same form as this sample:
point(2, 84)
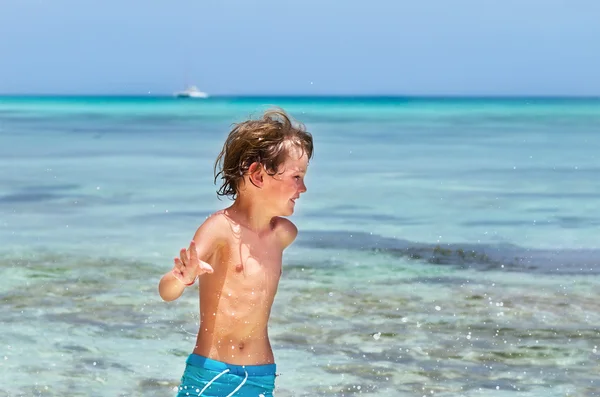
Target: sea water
point(447, 247)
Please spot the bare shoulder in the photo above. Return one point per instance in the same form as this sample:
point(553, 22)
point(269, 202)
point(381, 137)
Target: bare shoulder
point(286, 230)
point(212, 233)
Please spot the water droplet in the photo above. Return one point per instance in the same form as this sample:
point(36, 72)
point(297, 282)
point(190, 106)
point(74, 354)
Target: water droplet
point(377, 335)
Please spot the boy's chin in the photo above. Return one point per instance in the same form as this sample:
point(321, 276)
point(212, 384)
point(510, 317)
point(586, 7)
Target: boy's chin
point(288, 212)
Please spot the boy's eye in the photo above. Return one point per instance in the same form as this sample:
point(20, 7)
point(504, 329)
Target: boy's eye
point(297, 177)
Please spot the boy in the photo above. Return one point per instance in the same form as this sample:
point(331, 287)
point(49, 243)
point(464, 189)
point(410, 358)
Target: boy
point(236, 256)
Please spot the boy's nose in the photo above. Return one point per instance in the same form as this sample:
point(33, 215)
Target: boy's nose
point(302, 188)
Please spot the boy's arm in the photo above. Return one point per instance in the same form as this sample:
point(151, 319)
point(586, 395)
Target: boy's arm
point(191, 263)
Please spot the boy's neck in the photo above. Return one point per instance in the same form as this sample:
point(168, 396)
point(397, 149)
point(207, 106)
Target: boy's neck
point(251, 214)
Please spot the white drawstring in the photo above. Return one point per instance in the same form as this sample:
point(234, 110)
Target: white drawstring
point(240, 386)
point(218, 376)
point(212, 380)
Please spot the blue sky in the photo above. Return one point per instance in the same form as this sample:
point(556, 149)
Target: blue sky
point(309, 47)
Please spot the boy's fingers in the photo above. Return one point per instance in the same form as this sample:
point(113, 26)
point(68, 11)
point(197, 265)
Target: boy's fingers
point(206, 267)
point(193, 251)
point(178, 263)
point(178, 275)
point(183, 256)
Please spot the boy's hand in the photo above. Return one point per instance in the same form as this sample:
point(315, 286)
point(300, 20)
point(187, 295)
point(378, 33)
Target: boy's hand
point(188, 266)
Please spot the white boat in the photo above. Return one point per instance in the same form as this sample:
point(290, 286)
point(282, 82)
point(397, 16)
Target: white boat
point(191, 92)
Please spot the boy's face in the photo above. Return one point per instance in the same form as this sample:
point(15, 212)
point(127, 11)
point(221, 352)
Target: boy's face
point(286, 186)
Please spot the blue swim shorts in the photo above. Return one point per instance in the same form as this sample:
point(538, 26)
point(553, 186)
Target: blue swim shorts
point(210, 378)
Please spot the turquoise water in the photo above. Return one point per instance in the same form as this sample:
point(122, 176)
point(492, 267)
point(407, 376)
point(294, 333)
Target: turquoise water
point(447, 246)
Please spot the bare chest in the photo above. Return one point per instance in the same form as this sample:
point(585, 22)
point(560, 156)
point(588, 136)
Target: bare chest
point(252, 258)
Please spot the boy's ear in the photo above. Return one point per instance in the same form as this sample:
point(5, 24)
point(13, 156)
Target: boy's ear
point(255, 174)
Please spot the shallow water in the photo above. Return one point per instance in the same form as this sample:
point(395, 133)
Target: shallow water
point(447, 247)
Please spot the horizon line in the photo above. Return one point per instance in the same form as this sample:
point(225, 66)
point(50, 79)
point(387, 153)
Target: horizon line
point(294, 96)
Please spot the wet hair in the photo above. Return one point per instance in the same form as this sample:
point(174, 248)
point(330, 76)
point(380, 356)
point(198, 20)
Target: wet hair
point(266, 141)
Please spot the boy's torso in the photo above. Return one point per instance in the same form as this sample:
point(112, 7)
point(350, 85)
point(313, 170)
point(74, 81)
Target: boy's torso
point(236, 300)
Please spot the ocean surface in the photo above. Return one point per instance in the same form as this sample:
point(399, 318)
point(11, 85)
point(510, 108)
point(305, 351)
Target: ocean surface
point(447, 247)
